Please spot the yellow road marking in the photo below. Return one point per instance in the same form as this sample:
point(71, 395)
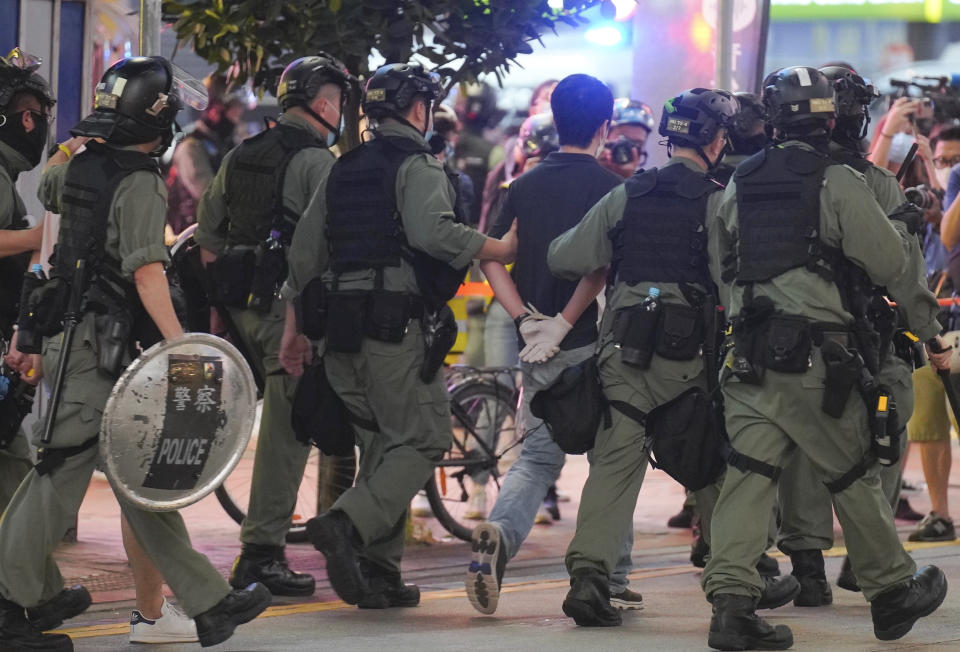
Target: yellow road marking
point(94, 631)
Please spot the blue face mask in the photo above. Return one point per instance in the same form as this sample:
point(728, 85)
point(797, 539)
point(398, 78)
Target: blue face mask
point(334, 136)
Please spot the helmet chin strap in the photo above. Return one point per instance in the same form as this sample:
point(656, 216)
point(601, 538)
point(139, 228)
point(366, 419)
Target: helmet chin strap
point(316, 116)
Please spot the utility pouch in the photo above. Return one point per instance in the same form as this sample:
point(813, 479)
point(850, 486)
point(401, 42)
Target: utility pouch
point(439, 336)
point(789, 344)
point(680, 335)
point(884, 426)
point(842, 373)
point(231, 276)
point(28, 339)
point(346, 321)
point(635, 334)
point(749, 341)
point(574, 407)
point(49, 305)
point(268, 273)
point(311, 309)
point(389, 316)
point(113, 341)
point(319, 416)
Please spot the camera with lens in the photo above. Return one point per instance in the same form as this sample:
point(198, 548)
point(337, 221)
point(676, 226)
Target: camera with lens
point(622, 150)
point(940, 96)
point(923, 197)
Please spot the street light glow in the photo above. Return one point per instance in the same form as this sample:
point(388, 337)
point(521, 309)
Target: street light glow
point(604, 35)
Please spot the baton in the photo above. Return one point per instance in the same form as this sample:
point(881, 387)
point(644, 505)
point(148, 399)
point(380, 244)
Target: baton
point(70, 321)
point(945, 379)
point(907, 162)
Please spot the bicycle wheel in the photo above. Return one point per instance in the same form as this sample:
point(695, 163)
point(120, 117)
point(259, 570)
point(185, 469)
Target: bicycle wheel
point(466, 482)
point(234, 493)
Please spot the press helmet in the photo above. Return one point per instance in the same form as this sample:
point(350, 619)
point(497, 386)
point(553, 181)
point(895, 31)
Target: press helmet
point(137, 101)
point(538, 135)
point(799, 97)
point(632, 112)
point(303, 77)
point(391, 90)
point(854, 95)
point(694, 117)
point(18, 75)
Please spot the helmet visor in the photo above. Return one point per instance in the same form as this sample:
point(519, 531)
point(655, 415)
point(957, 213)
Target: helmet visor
point(23, 60)
point(191, 90)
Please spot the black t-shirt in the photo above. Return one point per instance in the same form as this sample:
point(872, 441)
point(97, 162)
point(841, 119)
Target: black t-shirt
point(547, 201)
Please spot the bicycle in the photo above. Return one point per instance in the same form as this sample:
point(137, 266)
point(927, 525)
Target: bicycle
point(483, 405)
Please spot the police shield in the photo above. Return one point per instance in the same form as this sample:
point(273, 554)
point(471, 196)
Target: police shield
point(178, 421)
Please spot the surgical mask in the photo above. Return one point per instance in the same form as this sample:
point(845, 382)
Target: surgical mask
point(900, 144)
point(29, 145)
point(334, 136)
point(943, 176)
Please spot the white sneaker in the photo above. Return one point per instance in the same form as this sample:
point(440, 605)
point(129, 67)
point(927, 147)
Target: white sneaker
point(172, 627)
point(420, 506)
point(543, 516)
point(477, 505)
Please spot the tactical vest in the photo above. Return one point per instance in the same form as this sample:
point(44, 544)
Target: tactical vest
point(662, 237)
point(11, 270)
point(254, 189)
point(855, 160)
point(778, 206)
point(364, 229)
point(89, 186)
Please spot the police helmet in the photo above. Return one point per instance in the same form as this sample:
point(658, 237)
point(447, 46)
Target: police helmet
point(854, 95)
point(479, 104)
point(538, 135)
point(393, 87)
point(137, 101)
point(693, 118)
point(303, 77)
point(799, 95)
point(18, 75)
point(632, 112)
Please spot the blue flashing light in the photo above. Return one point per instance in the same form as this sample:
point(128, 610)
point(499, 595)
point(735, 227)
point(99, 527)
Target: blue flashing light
point(606, 35)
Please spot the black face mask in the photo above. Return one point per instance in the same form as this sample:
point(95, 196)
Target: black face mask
point(749, 145)
point(30, 145)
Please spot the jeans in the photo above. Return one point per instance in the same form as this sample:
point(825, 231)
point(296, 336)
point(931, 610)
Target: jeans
point(538, 467)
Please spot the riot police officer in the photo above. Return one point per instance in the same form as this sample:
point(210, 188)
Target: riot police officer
point(380, 243)
point(794, 233)
point(25, 103)
point(631, 125)
point(747, 135)
point(632, 232)
point(806, 515)
point(246, 219)
point(112, 202)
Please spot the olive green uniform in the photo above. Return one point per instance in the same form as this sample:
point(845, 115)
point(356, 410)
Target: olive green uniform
point(619, 459)
point(768, 421)
point(280, 459)
point(381, 382)
point(45, 506)
point(15, 459)
point(807, 518)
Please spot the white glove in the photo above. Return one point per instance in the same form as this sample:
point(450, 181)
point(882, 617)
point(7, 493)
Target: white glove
point(544, 343)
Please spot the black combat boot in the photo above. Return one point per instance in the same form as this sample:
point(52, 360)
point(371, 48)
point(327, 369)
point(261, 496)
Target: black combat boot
point(767, 566)
point(896, 610)
point(333, 534)
point(63, 606)
point(778, 591)
point(735, 626)
point(846, 579)
point(215, 625)
point(808, 568)
point(588, 601)
point(17, 634)
point(386, 588)
point(268, 565)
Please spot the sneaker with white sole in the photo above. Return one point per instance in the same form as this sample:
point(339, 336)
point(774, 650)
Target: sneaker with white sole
point(420, 506)
point(172, 626)
point(626, 599)
point(477, 505)
point(934, 527)
point(487, 562)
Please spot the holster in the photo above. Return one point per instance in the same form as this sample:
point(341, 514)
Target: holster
point(908, 348)
point(680, 335)
point(842, 373)
point(268, 273)
point(231, 277)
point(311, 309)
point(635, 334)
point(884, 426)
point(439, 336)
point(114, 330)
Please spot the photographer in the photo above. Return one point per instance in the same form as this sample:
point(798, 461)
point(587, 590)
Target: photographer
point(624, 152)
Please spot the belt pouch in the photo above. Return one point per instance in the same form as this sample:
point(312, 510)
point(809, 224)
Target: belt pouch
point(680, 335)
point(346, 318)
point(635, 333)
point(842, 373)
point(232, 277)
point(312, 310)
point(389, 316)
point(788, 344)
